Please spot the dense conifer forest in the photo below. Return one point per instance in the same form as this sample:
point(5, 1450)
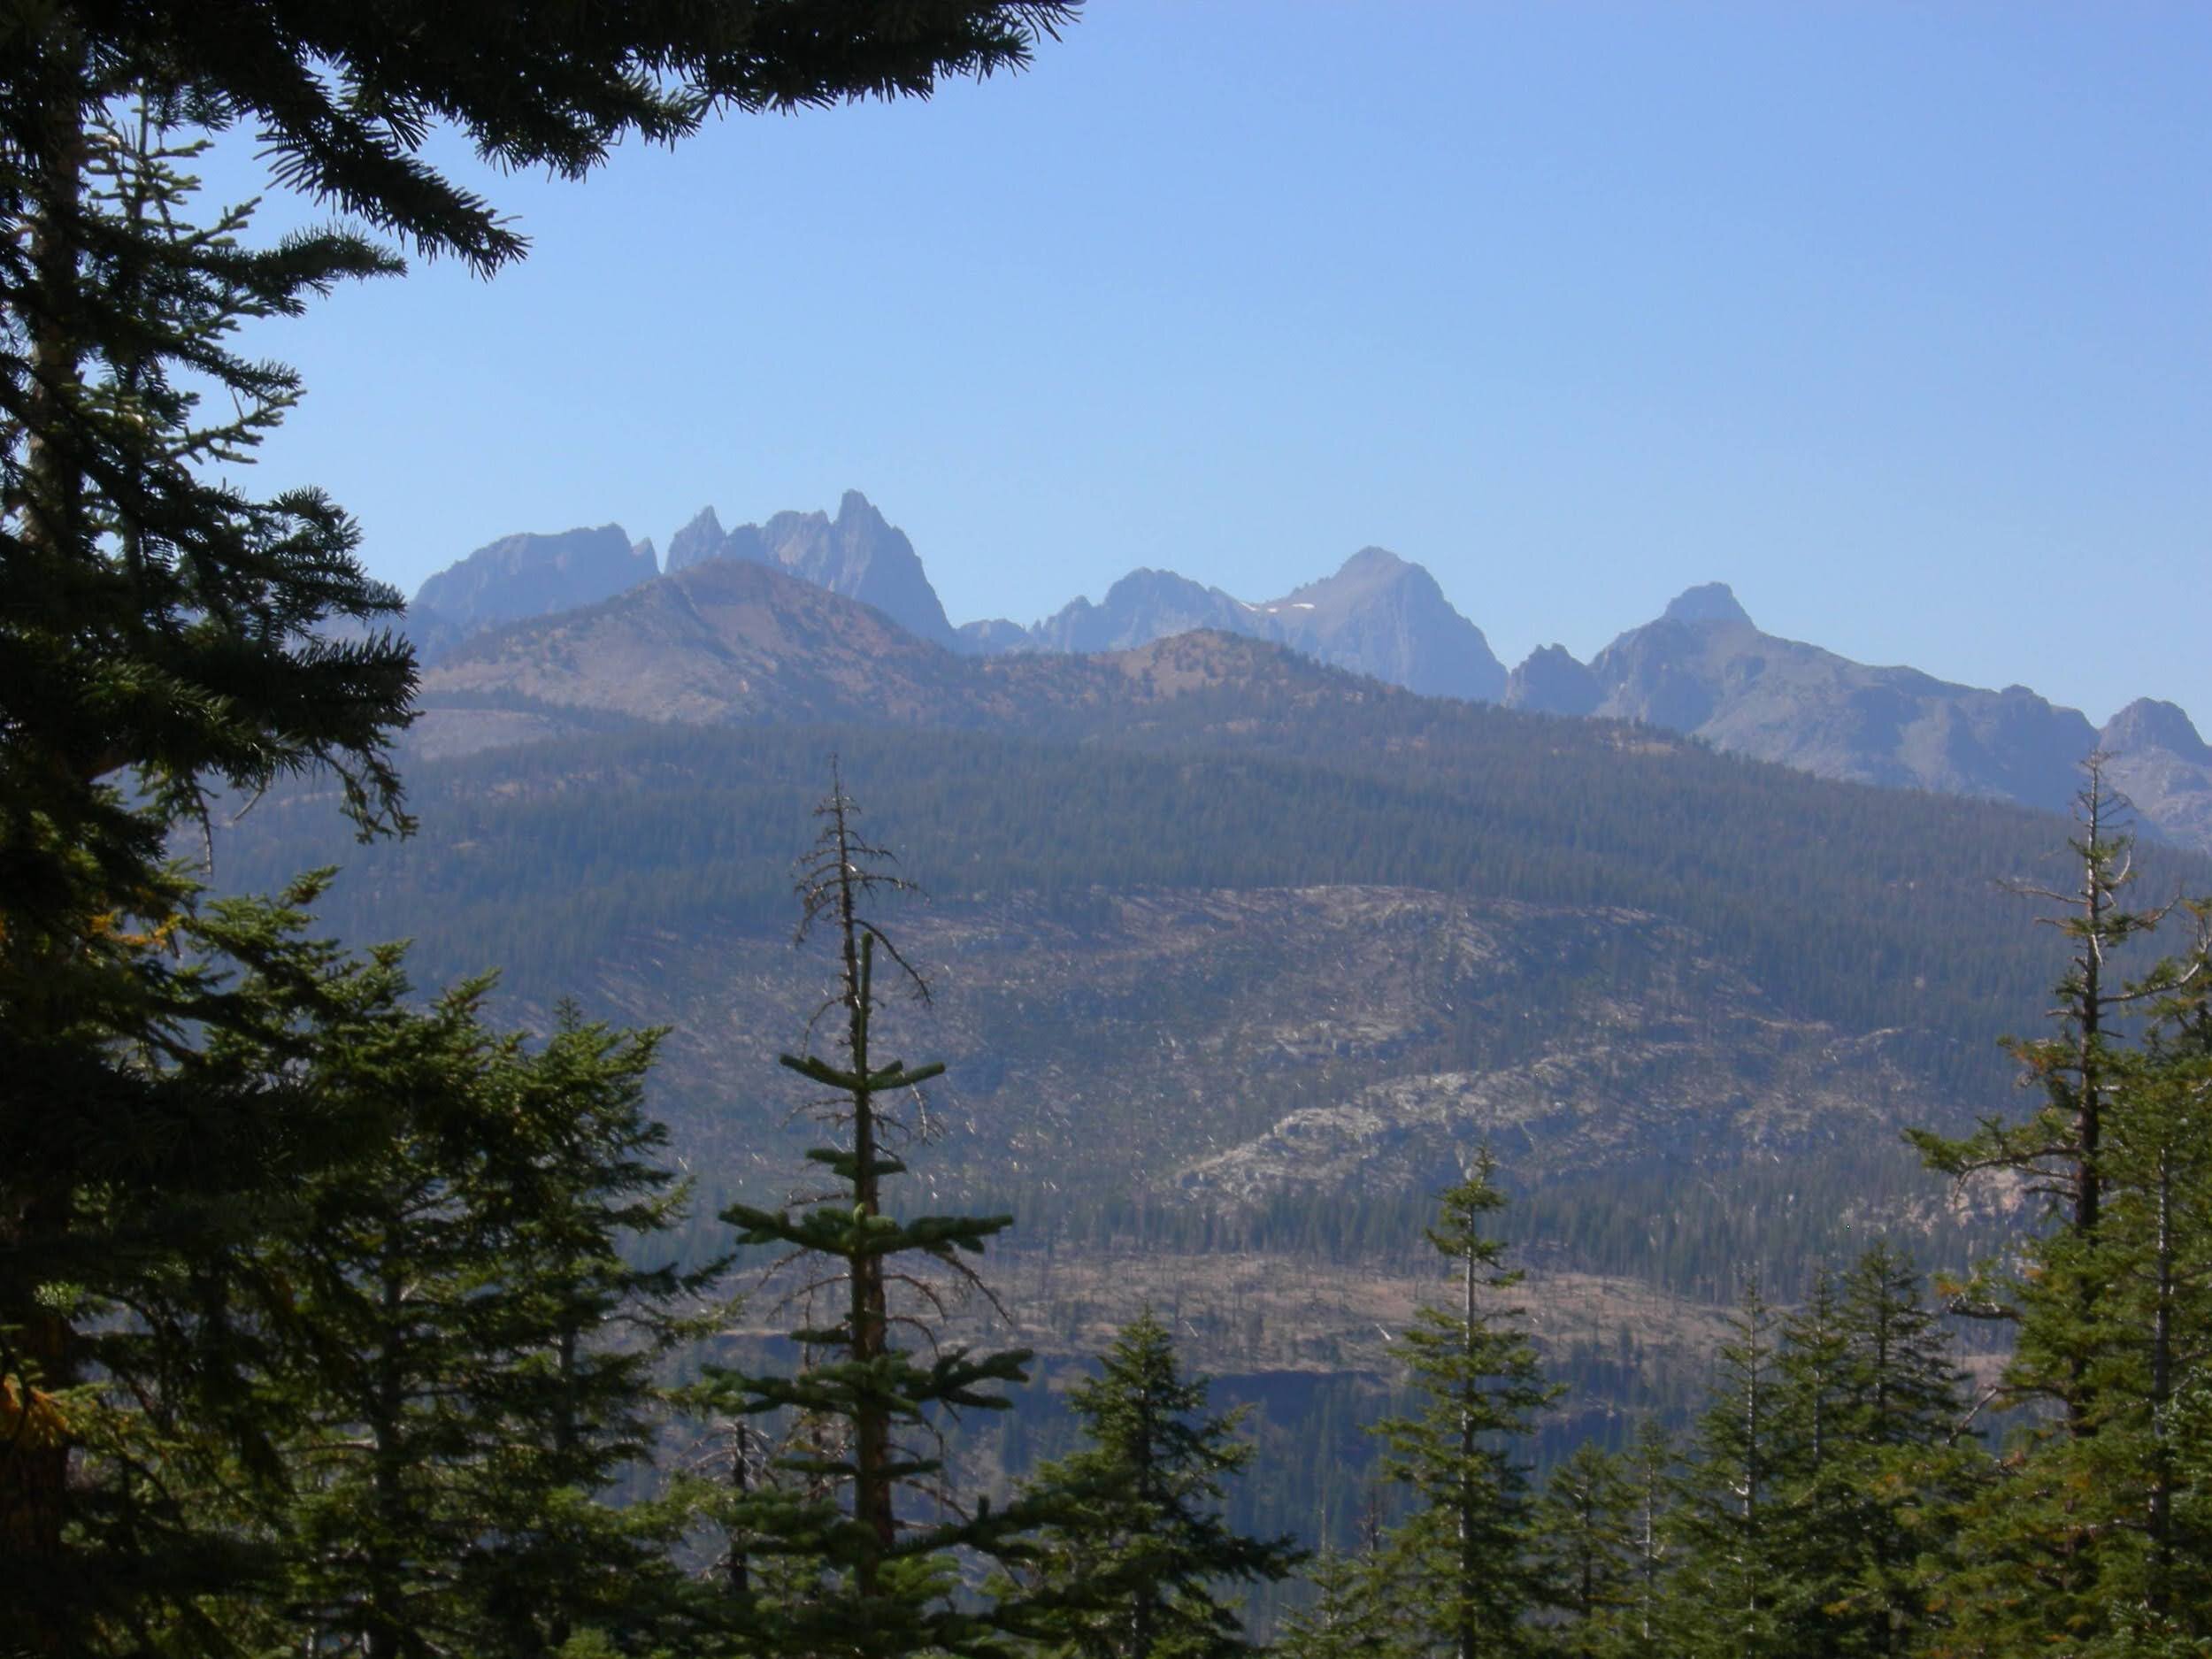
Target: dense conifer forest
point(354, 1302)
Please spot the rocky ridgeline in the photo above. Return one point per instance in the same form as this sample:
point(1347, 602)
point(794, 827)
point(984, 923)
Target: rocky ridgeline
point(1704, 668)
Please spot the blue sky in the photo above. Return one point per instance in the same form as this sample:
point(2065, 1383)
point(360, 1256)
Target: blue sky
point(1896, 318)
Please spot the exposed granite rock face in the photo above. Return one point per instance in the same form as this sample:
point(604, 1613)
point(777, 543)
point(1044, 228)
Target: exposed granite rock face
point(2158, 760)
point(696, 543)
point(2148, 724)
point(1704, 668)
point(530, 575)
point(1709, 602)
point(1379, 615)
point(857, 554)
point(1551, 681)
point(1144, 606)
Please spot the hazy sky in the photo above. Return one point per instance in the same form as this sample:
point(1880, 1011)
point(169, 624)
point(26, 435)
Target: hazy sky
point(1896, 318)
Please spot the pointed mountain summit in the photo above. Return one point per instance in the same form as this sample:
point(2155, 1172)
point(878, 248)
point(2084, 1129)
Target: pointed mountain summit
point(1704, 669)
point(1551, 680)
point(696, 543)
point(859, 554)
point(1144, 606)
point(530, 575)
point(2146, 724)
point(2164, 767)
point(1382, 616)
point(1709, 602)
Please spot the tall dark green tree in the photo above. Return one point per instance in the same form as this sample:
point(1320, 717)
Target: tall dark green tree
point(866, 1542)
point(471, 1356)
point(163, 630)
point(1650, 1473)
point(1348, 1617)
point(1869, 1470)
point(2073, 1542)
point(1585, 1529)
point(2058, 1151)
point(1461, 1561)
point(140, 1459)
point(157, 639)
point(1735, 1592)
point(1148, 1528)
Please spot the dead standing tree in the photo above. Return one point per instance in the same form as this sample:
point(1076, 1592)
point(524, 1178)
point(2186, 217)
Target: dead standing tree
point(876, 1382)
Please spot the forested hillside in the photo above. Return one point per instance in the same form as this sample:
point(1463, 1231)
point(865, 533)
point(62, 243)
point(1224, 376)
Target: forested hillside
point(515, 1164)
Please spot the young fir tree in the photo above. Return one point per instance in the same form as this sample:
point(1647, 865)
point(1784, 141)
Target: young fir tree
point(2155, 1567)
point(1147, 1531)
point(1816, 1506)
point(471, 1355)
point(863, 1547)
point(1650, 1473)
point(2059, 1548)
point(580, 1400)
point(1461, 1561)
point(1734, 1591)
point(1898, 1466)
point(1585, 1526)
point(2058, 1151)
point(1348, 1617)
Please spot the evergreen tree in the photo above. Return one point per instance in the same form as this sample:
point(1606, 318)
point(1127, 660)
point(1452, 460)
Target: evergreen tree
point(1585, 1526)
point(1650, 1476)
point(140, 1451)
point(1737, 1594)
point(2154, 1571)
point(591, 1194)
point(2075, 1542)
point(1348, 1617)
point(864, 1543)
point(1461, 1561)
point(345, 98)
point(1902, 1458)
point(1868, 1480)
point(1814, 1504)
point(2058, 1151)
point(1148, 1532)
point(471, 1356)
point(155, 622)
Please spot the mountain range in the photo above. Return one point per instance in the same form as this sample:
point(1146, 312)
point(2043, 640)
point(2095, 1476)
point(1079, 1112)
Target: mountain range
point(1704, 668)
point(1237, 952)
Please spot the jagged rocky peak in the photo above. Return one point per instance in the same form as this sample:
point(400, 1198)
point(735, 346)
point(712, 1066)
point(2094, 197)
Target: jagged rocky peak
point(859, 554)
point(534, 575)
point(1709, 602)
point(646, 554)
point(1551, 680)
point(2148, 724)
point(696, 543)
point(1143, 606)
point(1383, 616)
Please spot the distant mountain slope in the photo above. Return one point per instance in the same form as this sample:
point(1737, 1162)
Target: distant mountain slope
point(859, 554)
point(529, 575)
point(2160, 763)
point(1379, 615)
point(733, 642)
point(1705, 669)
point(1143, 606)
